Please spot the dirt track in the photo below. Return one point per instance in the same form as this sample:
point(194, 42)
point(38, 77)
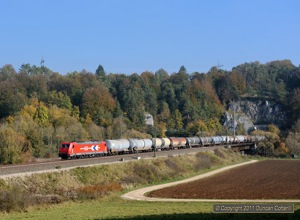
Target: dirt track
point(268, 181)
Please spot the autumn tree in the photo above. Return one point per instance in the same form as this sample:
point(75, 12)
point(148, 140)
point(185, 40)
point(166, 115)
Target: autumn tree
point(197, 128)
point(119, 128)
point(32, 122)
point(11, 145)
point(231, 86)
point(99, 103)
point(293, 139)
point(273, 129)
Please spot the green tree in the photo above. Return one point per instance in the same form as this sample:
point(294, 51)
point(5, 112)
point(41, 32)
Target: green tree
point(11, 98)
point(7, 72)
point(69, 85)
point(101, 75)
point(164, 112)
point(100, 72)
point(178, 120)
point(118, 111)
point(295, 104)
point(134, 107)
point(59, 99)
point(213, 125)
point(168, 95)
point(161, 75)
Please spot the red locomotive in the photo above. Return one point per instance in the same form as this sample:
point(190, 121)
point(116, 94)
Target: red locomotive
point(82, 149)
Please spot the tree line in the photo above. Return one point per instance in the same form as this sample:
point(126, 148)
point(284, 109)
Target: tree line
point(40, 108)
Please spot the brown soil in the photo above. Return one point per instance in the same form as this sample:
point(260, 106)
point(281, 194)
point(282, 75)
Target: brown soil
point(272, 179)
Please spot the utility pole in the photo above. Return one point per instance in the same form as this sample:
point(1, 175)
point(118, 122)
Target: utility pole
point(155, 141)
point(42, 62)
point(233, 122)
point(219, 65)
point(121, 124)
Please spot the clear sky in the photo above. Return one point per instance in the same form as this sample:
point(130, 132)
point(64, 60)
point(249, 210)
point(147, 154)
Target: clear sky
point(132, 36)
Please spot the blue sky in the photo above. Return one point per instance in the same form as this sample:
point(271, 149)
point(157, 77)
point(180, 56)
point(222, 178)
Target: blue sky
point(132, 36)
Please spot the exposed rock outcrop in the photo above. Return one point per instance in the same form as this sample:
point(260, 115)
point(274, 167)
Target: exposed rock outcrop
point(253, 114)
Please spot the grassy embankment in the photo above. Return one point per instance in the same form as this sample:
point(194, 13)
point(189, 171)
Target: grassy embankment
point(94, 192)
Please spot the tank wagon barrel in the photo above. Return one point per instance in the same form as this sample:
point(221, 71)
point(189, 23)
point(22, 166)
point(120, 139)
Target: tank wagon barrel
point(205, 141)
point(240, 139)
point(177, 142)
point(147, 144)
point(157, 143)
point(165, 143)
point(136, 145)
point(193, 141)
point(117, 146)
point(217, 140)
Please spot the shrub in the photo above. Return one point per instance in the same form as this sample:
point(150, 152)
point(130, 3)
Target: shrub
point(14, 201)
point(98, 191)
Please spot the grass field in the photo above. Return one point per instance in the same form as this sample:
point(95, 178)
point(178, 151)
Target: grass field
point(113, 207)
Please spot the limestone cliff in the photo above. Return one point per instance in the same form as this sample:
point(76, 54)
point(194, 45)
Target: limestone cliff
point(254, 113)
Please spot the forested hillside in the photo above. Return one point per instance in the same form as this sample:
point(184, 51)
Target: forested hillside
point(40, 108)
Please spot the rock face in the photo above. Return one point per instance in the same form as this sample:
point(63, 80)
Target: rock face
point(149, 119)
point(255, 114)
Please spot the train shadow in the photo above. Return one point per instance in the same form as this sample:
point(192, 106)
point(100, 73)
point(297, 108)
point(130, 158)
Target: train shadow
point(215, 216)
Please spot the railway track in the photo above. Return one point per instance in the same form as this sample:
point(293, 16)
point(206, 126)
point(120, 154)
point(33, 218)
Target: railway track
point(58, 164)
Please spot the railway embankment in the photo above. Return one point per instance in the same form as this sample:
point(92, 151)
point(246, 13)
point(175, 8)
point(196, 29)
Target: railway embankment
point(96, 182)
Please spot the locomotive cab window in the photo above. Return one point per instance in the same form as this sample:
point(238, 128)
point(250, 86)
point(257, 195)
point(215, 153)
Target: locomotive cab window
point(65, 145)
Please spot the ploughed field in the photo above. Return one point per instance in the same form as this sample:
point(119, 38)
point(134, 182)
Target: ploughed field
point(271, 179)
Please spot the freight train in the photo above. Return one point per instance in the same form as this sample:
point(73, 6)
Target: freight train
point(73, 150)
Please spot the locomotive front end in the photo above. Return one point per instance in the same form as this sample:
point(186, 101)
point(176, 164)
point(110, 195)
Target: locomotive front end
point(64, 150)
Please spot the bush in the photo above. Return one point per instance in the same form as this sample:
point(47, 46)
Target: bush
point(14, 201)
point(220, 153)
point(97, 191)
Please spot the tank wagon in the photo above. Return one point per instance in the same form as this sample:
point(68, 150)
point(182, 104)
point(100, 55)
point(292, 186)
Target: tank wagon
point(206, 141)
point(177, 142)
point(193, 141)
point(157, 143)
point(117, 146)
point(165, 144)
